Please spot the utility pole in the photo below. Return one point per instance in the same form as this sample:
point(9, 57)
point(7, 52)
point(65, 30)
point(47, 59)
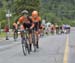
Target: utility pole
point(0, 27)
point(8, 14)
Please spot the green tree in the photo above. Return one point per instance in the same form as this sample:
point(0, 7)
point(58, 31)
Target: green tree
point(29, 5)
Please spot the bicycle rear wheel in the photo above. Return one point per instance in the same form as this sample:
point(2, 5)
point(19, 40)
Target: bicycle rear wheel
point(34, 41)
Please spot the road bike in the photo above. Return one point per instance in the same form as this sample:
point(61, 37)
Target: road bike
point(25, 42)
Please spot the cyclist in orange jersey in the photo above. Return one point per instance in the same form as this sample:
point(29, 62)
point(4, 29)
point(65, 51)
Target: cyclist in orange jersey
point(37, 24)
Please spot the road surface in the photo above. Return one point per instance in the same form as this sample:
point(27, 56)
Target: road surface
point(53, 49)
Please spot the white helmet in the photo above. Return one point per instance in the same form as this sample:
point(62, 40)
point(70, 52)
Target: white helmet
point(24, 12)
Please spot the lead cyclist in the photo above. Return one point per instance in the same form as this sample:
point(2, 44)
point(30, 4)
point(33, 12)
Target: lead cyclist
point(27, 23)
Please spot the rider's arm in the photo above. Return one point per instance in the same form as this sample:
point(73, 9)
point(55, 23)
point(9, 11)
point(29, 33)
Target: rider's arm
point(40, 22)
point(29, 18)
point(32, 26)
point(20, 20)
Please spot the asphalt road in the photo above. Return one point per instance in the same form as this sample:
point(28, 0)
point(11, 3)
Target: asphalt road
point(53, 49)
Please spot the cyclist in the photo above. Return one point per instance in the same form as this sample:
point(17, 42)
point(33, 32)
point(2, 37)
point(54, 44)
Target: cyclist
point(15, 29)
point(42, 28)
point(27, 23)
point(15, 26)
point(37, 22)
point(52, 28)
point(57, 28)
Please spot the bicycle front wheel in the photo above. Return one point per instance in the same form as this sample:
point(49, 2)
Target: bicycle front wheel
point(15, 35)
point(24, 47)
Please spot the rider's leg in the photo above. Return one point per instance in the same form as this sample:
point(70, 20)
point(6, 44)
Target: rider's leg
point(37, 40)
point(30, 41)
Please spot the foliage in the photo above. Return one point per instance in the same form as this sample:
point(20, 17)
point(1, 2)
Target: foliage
point(30, 5)
point(15, 7)
point(62, 10)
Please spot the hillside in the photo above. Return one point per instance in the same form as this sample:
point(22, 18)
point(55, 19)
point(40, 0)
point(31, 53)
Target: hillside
point(16, 7)
point(59, 11)
point(56, 11)
point(62, 8)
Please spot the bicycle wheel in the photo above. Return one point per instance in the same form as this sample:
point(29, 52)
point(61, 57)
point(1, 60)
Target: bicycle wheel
point(37, 42)
point(15, 35)
point(24, 46)
point(34, 41)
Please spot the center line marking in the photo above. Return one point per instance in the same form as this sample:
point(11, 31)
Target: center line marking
point(66, 52)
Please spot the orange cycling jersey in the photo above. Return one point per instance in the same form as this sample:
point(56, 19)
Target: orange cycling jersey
point(36, 19)
point(27, 22)
point(21, 19)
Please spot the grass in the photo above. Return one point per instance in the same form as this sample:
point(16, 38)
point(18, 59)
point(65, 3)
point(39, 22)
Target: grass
point(2, 34)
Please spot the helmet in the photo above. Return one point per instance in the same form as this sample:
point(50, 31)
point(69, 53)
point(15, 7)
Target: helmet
point(34, 13)
point(24, 12)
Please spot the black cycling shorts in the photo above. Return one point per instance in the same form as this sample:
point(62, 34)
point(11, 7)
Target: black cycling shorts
point(36, 27)
point(27, 25)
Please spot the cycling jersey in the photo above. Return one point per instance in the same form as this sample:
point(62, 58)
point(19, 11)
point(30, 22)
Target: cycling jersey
point(26, 22)
point(21, 19)
point(37, 23)
point(37, 19)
